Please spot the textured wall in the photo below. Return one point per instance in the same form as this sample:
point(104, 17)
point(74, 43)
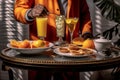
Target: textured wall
point(101, 24)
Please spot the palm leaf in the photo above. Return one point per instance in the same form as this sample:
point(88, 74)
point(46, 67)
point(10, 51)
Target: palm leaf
point(110, 9)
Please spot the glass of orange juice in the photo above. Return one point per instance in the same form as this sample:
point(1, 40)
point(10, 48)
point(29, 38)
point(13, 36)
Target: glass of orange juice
point(41, 27)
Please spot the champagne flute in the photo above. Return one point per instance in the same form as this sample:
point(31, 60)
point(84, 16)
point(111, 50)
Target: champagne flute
point(60, 28)
point(71, 23)
point(41, 27)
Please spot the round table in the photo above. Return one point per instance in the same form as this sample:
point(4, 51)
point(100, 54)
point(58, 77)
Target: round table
point(49, 61)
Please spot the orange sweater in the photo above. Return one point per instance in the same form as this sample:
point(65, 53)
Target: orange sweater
point(76, 8)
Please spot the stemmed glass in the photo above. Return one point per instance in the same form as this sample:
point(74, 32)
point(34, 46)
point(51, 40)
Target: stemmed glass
point(60, 28)
point(71, 23)
point(41, 27)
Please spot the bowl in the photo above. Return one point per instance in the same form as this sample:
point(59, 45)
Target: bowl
point(102, 43)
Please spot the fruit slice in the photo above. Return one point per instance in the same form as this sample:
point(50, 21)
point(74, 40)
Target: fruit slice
point(68, 21)
point(88, 43)
point(38, 43)
point(14, 43)
point(24, 44)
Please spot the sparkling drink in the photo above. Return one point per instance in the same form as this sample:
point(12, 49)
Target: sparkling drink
point(41, 26)
point(60, 25)
point(60, 28)
point(71, 23)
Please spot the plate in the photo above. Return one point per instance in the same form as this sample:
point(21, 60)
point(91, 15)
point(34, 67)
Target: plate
point(57, 51)
point(30, 50)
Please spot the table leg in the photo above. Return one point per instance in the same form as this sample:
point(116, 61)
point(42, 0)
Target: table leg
point(116, 73)
point(7, 68)
point(86, 75)
point(17, 74)
point(10, 74)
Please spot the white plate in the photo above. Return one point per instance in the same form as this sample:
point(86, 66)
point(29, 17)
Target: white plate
point(30, 50)
point(71, 55)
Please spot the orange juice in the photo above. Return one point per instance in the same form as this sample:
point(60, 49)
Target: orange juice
point(41, 26)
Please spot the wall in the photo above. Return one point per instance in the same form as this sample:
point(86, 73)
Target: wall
point(100, 23)
point(9, 29)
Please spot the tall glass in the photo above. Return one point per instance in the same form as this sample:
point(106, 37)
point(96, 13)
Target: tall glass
point(71, 23)
point(41, 27)
point(60, 27)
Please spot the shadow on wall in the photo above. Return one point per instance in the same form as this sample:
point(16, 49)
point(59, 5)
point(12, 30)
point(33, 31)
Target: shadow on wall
point(9, 27)
point(102, 25)
point(107, 21)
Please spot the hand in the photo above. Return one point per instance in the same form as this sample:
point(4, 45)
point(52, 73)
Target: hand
point(38, 10)
point(87, 35)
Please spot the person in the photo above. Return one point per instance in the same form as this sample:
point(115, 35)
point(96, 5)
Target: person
point(25, 11)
